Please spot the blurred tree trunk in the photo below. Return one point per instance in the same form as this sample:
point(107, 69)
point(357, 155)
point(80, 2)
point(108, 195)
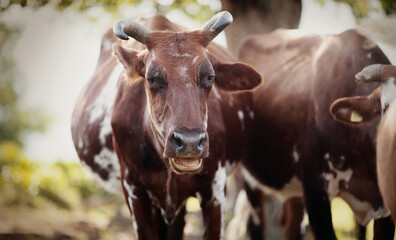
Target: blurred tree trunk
point(259, 16)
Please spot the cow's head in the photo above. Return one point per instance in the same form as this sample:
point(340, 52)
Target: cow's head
point(363, 110)
point(179, 73)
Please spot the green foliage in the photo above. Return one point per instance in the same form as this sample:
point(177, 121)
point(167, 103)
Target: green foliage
point(192, 8)
point(389, 6)
point(24, 182)
point(200, 12)
point(14, 121)
point(362, 8)
point(55, 201)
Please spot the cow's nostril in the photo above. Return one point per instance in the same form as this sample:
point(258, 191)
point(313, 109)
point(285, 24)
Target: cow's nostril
point(201, 144)
point(177, 140)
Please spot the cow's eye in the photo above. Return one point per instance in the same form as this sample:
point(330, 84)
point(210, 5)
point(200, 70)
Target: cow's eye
point(155, 82)
point(208, 80)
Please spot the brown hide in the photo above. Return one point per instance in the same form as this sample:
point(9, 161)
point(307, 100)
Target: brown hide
point(156, 90)
point(295, 134)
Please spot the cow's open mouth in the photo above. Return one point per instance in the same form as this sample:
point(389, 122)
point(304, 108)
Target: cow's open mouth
point(186, 165)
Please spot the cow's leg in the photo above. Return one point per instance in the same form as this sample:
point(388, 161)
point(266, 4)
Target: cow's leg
point(213, 217)
point(318, 207)
point(160, 224)
point(316, 197)
point(171, 230)
point(256, 222)
point(140, 207)
point(213, 204)
point(361, 231)
point(175, 230)
point(293, 214)
point(384, 229)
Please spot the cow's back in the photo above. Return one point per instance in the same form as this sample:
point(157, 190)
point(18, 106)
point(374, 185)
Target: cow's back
point(283, 100)
point(303, 71)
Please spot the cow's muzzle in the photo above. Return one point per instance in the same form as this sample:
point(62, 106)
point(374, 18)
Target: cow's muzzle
point(186, 149)
point(188, 144)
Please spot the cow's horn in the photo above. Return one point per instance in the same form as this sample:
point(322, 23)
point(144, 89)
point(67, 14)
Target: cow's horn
point(217, 24)
point(124, 28)
point(371, 73)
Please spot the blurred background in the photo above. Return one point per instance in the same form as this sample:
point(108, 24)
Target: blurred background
point(48, 51)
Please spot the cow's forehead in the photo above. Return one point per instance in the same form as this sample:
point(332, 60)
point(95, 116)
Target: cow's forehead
point(173, 52)
point(177, 44)
point(173, 62)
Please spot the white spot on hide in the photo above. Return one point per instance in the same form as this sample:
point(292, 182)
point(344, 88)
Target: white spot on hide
point(105, 128)
point(181, 55)
point(80, 143)
point(333, 182)
point(129, 188)
point(326, 157)
point(296, 156)
point(103, 159)
point(131, 196)
point(218, 188)
point(251, 114)
point(231, 101)
point(291, 189)
point(195, 59)
point(241, 117)
point(103, 104)
point(183, 70)
point(363, 211)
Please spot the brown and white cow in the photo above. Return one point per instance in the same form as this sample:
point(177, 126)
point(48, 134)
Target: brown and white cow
point(157, 119)
point(298, 148)
point(360, 111)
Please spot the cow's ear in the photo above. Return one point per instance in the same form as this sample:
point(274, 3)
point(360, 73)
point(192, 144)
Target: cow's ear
point(133, 61)
point(235, 76)
point(355, 111)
